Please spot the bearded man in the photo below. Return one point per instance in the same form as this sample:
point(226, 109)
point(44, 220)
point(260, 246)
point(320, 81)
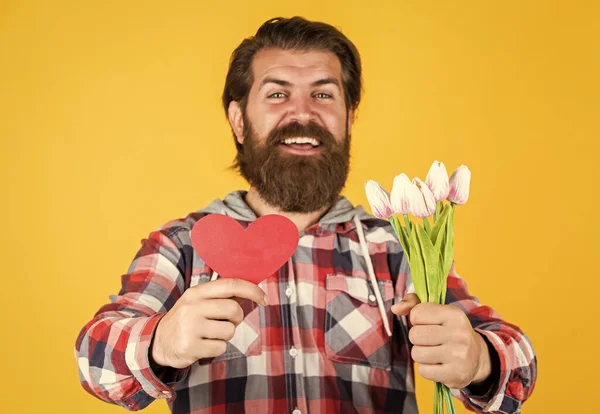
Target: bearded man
point(334, 330)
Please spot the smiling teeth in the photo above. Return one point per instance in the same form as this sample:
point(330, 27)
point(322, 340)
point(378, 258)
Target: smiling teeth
point(312, 141)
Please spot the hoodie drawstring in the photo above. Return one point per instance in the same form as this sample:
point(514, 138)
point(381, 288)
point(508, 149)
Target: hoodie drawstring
point(374, 284)
point(365, 251)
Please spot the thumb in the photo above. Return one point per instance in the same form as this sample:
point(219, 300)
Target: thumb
point(406, 304)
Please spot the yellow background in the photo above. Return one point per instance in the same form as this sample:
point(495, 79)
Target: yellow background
point(111, 125)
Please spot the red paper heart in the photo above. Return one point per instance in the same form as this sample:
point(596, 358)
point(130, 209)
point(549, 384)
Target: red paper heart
point(252, 254)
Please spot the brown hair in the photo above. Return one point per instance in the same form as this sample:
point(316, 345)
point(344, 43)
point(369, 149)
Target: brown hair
point(295, 33)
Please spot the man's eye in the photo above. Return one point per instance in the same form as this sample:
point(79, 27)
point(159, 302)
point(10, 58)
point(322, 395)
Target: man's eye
point(277, 95)
point(322, 95)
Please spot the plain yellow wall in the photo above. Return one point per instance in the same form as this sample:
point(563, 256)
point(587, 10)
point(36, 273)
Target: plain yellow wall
point(111, 125)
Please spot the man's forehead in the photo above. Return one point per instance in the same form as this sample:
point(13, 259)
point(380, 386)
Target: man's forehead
point(296, 63)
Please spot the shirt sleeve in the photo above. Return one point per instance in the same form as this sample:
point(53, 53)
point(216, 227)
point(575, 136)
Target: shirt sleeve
point(112, 350)
point(517, 368)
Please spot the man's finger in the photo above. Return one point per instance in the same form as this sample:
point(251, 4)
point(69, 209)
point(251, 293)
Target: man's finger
point(444, 373)
point(210, 348)
point(429, 354)
point(431, 314)
point(223, 309)
point(406, 304)
point(228, 288)
point(433, 372)
point(218, 330)
point(428, 335)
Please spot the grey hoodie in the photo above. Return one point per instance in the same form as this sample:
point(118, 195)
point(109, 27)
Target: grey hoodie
point(235, 207)
point(342, 212)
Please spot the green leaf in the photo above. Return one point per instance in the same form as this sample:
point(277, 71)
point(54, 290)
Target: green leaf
point(431, 259)
point(440, 236)
point(440, 223)
point(447, 251)
point(438, 248)
point(401, 233)
point(393, 223)
point(417, 267)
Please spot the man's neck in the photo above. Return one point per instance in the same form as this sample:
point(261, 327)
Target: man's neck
point(261, 208)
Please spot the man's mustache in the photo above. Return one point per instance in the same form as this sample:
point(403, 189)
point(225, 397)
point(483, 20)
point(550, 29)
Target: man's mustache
point(296, 130)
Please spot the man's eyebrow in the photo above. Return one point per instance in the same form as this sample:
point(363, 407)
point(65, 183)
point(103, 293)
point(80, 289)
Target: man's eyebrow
point(327, 81)
point(281, 82)
point(276, 81)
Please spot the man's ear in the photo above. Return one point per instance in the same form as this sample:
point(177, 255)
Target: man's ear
point(350, 119)
point(236, 120)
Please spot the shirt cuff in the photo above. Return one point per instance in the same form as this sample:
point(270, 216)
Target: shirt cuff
point(491, 399)
point(157, 385)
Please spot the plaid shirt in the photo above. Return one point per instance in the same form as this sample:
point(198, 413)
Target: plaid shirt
point(318, 347)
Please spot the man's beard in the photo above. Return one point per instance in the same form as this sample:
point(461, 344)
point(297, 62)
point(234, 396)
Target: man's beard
point(295, 183)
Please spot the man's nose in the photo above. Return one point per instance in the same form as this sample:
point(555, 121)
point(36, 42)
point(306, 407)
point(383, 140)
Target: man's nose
point(302, 111)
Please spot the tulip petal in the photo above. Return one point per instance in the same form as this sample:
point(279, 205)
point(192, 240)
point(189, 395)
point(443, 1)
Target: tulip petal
point(379, 200)
point(400, 197)
point(459, 185)
point(437, 181)
point(425, 207)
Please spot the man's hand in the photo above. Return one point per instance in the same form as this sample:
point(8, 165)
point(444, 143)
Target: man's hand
point(445, 345)
point(201, 321)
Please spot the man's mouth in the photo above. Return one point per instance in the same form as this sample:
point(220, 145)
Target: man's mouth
point(301, 145)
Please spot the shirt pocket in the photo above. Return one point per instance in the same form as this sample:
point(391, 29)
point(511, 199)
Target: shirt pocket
point(247, 338)
point(354, 330)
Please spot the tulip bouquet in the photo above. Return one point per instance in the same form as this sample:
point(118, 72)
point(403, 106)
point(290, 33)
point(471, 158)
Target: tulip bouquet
point(429, 246)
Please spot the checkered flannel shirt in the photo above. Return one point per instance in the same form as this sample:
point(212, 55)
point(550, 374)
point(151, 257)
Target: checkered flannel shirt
point(318, 347)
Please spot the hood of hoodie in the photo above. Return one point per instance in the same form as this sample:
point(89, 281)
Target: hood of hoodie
point(234, 206)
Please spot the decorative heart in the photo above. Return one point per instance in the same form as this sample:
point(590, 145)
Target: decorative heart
point(252, 254)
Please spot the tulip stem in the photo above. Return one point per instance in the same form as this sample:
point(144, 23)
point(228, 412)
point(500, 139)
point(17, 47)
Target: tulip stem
point(407, 223)
point(437, 211)
point(426, 225)
point(398, 227)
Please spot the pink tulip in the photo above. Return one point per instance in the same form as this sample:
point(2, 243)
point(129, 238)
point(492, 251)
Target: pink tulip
point(379, 200)
point(459, 185)
point(400, 197)
point(424, 200)
point(437, 181)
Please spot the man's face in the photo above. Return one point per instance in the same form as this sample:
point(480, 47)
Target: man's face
point(295, 130)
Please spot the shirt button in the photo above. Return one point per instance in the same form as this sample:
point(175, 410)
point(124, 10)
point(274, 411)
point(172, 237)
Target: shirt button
point(293, 354)
point(289, 291)
point(296, 411)
point(372, 298)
